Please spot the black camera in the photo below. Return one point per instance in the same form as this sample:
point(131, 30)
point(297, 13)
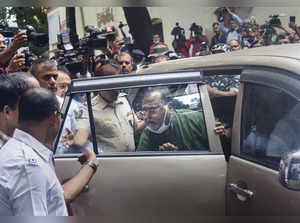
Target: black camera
point(66, 54)
point(197, 29)
point(194, 27)
point(29, 58)
point(178, 32)
point(274, 21)
point(97, 38)
point(37, 39)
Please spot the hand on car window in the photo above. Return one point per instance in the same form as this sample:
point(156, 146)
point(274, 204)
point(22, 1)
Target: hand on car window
point(68, 138)
point(88, 155)
point(168, 147)
point(221, 130)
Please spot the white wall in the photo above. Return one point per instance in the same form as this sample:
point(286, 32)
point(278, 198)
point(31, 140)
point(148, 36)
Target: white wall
point(185, 16)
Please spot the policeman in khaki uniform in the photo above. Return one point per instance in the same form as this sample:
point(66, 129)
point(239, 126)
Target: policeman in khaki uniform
point(115, 122)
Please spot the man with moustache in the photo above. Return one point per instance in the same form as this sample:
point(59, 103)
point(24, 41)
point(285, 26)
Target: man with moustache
point(126, 62)
point(45, 71)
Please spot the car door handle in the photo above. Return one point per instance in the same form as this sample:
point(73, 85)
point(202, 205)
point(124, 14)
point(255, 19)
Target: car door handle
point(242, 194)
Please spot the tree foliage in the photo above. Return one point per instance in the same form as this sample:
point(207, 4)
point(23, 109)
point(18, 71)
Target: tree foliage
point(34, 16)
point(3, 16)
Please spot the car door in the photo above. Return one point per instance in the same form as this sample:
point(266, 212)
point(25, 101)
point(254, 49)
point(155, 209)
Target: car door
point(265, 128)
point(148, 185)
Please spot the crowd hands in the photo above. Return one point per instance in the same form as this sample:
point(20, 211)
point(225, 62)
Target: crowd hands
point(31, 78)
point(230, 33)
point(70, 62)
point(88, 56)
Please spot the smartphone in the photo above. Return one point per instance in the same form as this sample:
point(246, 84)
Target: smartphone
point(292, 19)
point(21, 50)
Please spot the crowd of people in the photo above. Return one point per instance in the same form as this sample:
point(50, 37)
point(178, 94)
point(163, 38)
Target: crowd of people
point(31, 97)
point(232, 33)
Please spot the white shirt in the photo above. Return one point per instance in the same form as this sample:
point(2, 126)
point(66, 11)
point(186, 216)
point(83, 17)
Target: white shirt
point(28, 183)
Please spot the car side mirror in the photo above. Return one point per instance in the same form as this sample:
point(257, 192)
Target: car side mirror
point(289, 171)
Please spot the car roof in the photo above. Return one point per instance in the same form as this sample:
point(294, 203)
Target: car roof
point(285, 56)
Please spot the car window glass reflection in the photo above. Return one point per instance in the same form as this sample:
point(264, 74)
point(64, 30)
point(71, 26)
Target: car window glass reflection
point(165, 118)
point(173, 119)
point(270, 124)
point(66, 144)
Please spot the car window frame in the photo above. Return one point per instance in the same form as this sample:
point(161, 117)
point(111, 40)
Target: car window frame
point(280, 80)
point(87, 91)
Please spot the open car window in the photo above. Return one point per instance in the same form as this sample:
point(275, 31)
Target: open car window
point(166, 118)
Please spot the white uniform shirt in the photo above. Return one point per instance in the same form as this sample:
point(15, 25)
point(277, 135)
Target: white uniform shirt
point(28, 183)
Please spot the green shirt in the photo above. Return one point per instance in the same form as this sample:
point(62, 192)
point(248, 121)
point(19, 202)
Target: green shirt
point(187, 132)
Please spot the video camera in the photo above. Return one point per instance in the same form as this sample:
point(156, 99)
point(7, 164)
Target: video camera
point(268, 27)
point(29, 58)
point(7, 31)
point(274, 21)
point(70, 46)
point(178, 32)
point(97, 38)
point(196, 29)
point(37, 39)
point(66, 53)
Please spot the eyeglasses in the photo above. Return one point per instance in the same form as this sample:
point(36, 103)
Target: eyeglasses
point(151, 110)
point(63, 86)
point(57, 112)
point(47, 77)
point(121, 62)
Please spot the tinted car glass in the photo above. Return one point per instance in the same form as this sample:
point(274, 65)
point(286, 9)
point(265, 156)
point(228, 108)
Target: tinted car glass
point(270, 124)
point(125, 121)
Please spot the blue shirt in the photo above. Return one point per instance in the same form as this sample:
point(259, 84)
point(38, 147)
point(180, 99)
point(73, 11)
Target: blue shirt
point(28, 183)
point(235, 34)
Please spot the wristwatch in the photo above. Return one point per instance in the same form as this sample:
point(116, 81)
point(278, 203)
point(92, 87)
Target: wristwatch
point(91, 164)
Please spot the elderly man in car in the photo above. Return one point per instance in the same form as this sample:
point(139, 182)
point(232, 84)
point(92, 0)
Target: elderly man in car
point(169, 129)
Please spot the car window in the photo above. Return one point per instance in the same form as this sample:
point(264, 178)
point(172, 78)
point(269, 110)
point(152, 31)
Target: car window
point(270, 124)
point(163, 118)
point(223, 86)
point(224, 82)
point(71, 125)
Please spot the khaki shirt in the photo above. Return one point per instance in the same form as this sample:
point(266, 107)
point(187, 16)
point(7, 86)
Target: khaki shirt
point(3, 139)
point(114, 124)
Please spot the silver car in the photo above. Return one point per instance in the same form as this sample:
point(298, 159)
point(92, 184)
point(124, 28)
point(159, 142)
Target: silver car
point(253, 171)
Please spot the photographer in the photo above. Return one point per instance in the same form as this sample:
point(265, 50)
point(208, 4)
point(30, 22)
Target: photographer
point(179, 41)
point(296, 29)
point(235, 26)
point(197, 39)
point(219, 37)
point(19, 40)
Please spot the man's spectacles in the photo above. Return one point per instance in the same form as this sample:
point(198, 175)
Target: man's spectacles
point(63, 86)
point(151, 110)
point(121, 62)
point(58, 112)
point(47, 77)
